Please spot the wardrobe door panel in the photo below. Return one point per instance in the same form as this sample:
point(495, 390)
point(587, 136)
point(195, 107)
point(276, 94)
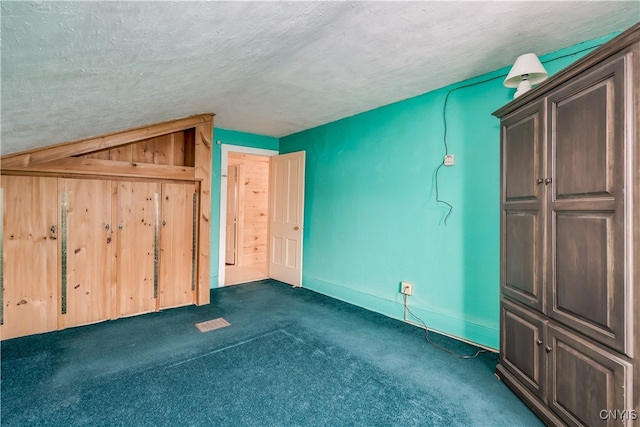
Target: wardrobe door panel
point(586, 381)
point(29, 255)
point(523, 137)
point(136, 237)
point(176, 285)
point(586, 206)
point(522, 353)
point(86, 277)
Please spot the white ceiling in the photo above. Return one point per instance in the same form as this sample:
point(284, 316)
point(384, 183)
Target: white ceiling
point(72, 70)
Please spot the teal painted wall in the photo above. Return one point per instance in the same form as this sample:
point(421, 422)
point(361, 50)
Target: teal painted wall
point(224, 136)
point(371, 218)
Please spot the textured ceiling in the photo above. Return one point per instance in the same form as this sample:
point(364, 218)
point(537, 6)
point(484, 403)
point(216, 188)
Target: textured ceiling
point(72, 70)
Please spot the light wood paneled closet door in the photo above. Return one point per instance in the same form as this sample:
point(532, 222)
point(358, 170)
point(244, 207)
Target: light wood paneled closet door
point(177, 240)
point(86, 221)
point(231, 250)
point(30, 261)
point(137, 217)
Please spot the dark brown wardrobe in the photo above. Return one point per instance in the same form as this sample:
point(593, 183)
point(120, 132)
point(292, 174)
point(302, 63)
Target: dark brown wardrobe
point(570, 245)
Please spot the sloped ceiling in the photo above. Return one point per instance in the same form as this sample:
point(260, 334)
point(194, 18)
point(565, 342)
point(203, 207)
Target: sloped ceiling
point(72, 70)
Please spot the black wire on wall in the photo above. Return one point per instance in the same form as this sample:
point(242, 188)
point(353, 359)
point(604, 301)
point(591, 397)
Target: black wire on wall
point(444, 121)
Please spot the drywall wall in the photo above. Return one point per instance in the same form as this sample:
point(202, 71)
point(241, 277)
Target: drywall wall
point(371, 216)
point(224, 136)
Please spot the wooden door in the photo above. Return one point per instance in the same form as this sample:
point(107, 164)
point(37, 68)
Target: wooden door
point(231, 241)
point(29, 256)
point(523, 191)
point(177, 239)
point(86, 233)
point(586, 206)
point(286, 217)
point(522, 352)
point(136, 240)
point(586, 379)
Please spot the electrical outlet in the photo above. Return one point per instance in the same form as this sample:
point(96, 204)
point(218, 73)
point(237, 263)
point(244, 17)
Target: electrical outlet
point(406, 288)
point(449, 160)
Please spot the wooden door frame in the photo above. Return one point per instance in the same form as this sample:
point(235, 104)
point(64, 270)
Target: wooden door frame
point(225, 149)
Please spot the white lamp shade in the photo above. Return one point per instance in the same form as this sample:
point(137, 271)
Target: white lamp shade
point(529, 65)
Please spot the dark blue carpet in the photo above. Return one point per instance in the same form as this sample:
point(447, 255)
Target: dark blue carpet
point(290, 357)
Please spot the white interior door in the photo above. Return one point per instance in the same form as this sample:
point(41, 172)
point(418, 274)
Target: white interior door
point(286, 185)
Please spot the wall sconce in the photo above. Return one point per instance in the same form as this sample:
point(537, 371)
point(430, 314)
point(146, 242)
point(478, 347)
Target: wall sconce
point(526, 71)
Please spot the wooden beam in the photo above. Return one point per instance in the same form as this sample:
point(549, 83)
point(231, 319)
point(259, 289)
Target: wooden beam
point(84, 166)
point(68, 149)
point(203, 160)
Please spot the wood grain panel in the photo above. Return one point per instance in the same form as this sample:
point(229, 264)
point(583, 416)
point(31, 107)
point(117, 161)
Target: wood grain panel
point(59, 151)
point(89, 238)
point(124, 153)
point(584, 143)
point(231, 226)
point(30, 255)
point(144, 151)
point(253, 176)
point(585, 379)
point(163, 150)
point(176, 233)
point(253, 260)
point(101, 155)
point(588, 288)
point(523, 346)
point(203, 137)
point(135, 257)
point(521, 149)
point(178, 149)
point(522, 275)
point(586, 291)
point(190, 147)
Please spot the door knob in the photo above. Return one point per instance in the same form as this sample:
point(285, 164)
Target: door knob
point(296, 228)
point(53, 229)
point(548, 349)
point(539, 342)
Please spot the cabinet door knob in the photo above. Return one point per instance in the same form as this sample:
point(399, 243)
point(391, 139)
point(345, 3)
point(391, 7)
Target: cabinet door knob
point(548, 349)
point(539, 181)
point(547, 181)
point(53, 229)
point(120, 226)
point(107, 227)
point(539, 342)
